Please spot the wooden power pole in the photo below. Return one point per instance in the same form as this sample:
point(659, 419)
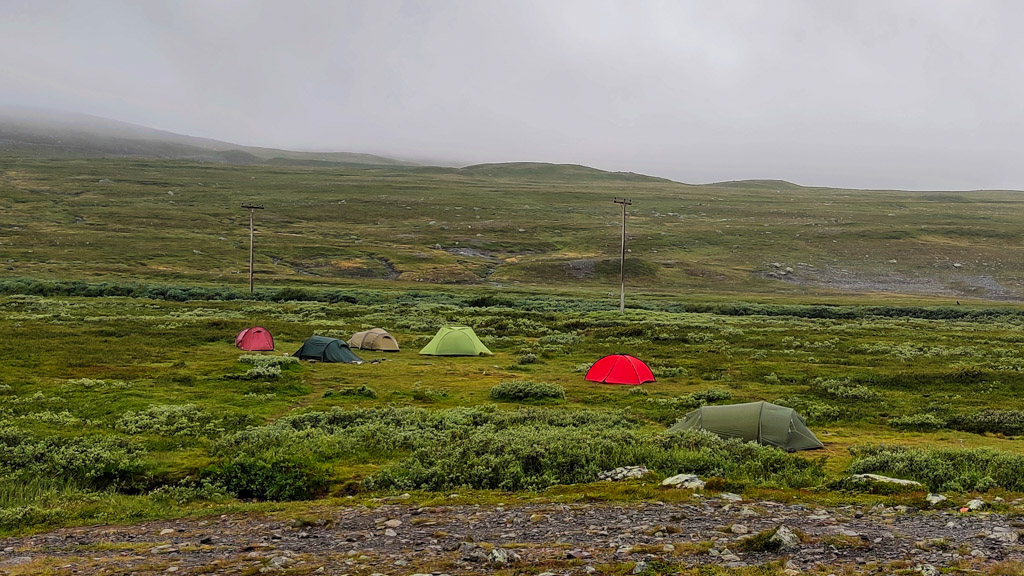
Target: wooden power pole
point(252, 211)
point(622, 262)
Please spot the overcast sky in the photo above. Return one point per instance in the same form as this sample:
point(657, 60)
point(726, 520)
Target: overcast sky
point(874, 94)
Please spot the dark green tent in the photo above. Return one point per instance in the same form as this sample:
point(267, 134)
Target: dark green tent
point(324, 349)
point(761, 422)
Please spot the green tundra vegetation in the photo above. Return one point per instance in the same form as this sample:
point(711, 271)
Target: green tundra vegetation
point(122, 396)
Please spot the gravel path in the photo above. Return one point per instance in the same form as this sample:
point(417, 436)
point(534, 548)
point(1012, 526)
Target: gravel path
point(395, 539)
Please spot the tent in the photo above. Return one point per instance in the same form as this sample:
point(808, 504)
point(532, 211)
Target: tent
point(326, 349)
point(256, 338)
point(761, 422)
point(620, 369)
point(374, 339)
point(455, 341)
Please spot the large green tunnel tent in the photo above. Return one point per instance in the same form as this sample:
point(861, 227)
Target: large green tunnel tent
point(761, 422)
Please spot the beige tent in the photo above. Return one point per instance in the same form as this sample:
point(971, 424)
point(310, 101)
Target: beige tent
point(374, 339)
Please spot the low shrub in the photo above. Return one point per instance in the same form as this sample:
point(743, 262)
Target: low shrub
point(528, 358)
point(170, 420)
point(261, 373)
point(669, 371)
point(705, 397)
point(526, 390)
point(1007, 422)
point(813, 411)
point(943, 469)
point(362, 390)
point(273, 475)
point(91, 463)
point(920, 421)
point(266, 361)
point(428, 394)
point(842, 389)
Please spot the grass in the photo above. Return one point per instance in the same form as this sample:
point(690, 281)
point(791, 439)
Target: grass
point(514, 225)
point(126, 358)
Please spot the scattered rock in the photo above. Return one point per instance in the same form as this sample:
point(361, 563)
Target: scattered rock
point(623, 473)
point(928, 570)
point(390, 533)
point(280, 562)
point(730, 497)
point(640, 567)
point(685, 481)
point(471, 552)
point(935, 499)
point(16, 561)
point(1004, 535)
point(739, 529)
point(393, 523)
point(166, 531)
point(784, 539)
point(501, 556)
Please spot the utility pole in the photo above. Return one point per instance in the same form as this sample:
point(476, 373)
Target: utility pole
point(252, 211)
point(622, 262)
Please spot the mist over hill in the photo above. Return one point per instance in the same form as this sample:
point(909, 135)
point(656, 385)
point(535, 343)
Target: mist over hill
point(48, 133)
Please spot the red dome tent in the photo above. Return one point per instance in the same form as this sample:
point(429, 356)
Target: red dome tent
point(256, 339)
point(620, 369)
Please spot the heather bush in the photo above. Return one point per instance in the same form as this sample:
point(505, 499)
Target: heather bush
point(267, 361)
point(170, 420)
point(943, 469)
point(525, 390)
point(920, 421)
point(1007, 422)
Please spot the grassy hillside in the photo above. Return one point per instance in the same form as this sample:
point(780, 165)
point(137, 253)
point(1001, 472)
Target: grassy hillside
point(516, 224)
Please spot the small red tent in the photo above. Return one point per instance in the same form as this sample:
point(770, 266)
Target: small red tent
point(620, 369)
point(256, 338)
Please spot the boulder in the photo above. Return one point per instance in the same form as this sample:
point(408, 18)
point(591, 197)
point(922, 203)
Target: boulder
point(784, 539)
point(877, 478)
point(935, 499)
point(685, 481)
point(976, 504)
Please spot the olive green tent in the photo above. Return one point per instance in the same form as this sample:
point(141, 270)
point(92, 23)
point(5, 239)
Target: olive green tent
point(761, 422)
point(455, 341)
point(374, 339)
point(324, 349)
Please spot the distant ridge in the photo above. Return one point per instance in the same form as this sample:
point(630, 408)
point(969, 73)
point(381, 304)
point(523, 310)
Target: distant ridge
point(758, 184)
point(547, 171)
point(65, 135)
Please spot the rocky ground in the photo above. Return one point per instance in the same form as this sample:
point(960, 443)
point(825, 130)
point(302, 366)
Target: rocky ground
point(646, 538)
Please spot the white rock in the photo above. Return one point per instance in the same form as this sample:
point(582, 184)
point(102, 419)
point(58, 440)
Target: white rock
point(885, 479)
point(928, 570)
point(739, 529)
point(976, 504)
point(390, 533)
point(729, 496)
point(166, 531)
point(934, 499)
point(685, 481)
point(394, 523)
